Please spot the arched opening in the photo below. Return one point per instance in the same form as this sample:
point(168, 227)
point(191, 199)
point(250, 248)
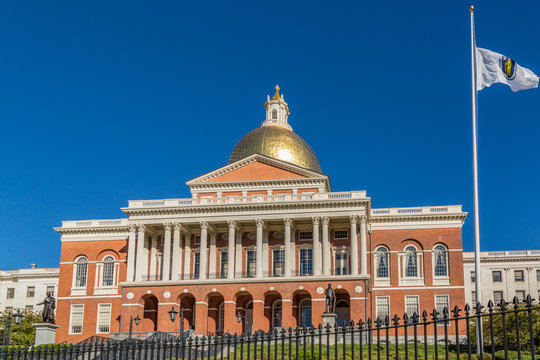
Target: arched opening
point(272, 310)
point(343, 307)
point(274, 114)
point(150, 314)
point(215, 313)
point(302, 308)
point(187, 306)
point(244, 308)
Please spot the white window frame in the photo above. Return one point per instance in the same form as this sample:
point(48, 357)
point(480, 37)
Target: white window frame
point(523, 292)
point(411, 280)
point(248, 249)
point(196, 274)
point(440, 311)
point(300, 248)
point(339, 251)
point(381, 281)
point(274, 313)
point(305, 231)
point(280, 248)
point(341, 238)
point(440, 280)
point(417, 306)
point(221, 252)
point(79, 290)
point(98, 318)
point(71, 319)
point(377, 307)
point(101, 289)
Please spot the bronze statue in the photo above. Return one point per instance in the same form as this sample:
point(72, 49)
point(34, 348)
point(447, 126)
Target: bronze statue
point(330, 306)
point(49, 304)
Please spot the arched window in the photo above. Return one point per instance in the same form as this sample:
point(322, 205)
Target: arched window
point(305, 313)
point(441, 260)
point(276, 314)
point(382, 262)
point(221, 320)
point(274, 114)
point(81, 271)
point(108, 271)
point(411, 261)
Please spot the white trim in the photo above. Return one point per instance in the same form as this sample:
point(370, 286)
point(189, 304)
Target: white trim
point(88, 297)
point(71, 318)
point(420, 288)
point(97, 320)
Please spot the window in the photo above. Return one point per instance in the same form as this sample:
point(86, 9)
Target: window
point(30, 291)
point(306, 262)
point(441, 260)
point(305, 313)
point(10, 293)
point(224, 265)
point(50, 289)
point(197, 239)
point(221, 322)
point(81, 267)
point(474, 298)
point(305, 235)
point(341, 263)
point(518, 275)
point(29, 308)
point(278, 267)
point(520, 294)
point(196, 264)
point(274, 114)
point(497, 297)
point(76, 318)
point(108, 271)
point(497, 276)
point(473, 277)
point(442, 302)
point(9, 309)
point(341, 234)
point(276, 314)
point(251, 266)
point(381, 259)
point(537, 275)
point(383, 307)
point(412, 305)
point(411, 262)
point(104, 318)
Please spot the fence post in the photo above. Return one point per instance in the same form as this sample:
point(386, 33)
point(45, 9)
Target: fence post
point(528, 302)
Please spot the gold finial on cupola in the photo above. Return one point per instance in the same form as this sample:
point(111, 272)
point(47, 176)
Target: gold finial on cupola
point(276, 95)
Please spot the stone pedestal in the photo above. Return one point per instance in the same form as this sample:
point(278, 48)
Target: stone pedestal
point(45, 333)
point(329, 319)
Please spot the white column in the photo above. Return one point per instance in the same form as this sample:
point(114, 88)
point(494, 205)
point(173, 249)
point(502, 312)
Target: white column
point(187, 256)
point(132, 243)
point(230, 249)
point(363, 245)
point(316, 252)
point(153, 257)
point(140, 253)
point(288, 224)
point(293, 250)
point(166, 259)
point(265, 253)
point(354, 245)
point(176, 252)
point(325, 220)
point(146, 257)
point(212, 256)
point(204, 242)
point(259, 268)
point(238, 255)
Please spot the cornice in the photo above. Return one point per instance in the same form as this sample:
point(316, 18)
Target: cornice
point(260, 184)
point(505, 259)
point(422, 217)
point(92, 230)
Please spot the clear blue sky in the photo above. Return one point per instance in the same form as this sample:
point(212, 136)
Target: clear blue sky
point(102, 102)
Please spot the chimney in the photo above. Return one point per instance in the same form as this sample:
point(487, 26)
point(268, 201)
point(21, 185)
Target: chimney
point(33, 266)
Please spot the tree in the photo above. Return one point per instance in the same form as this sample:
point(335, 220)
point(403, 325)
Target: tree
point(24, 333)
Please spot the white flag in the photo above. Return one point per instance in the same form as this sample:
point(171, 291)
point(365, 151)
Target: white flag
point(492, 67)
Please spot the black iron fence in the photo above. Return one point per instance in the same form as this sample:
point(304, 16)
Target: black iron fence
point(508, 331)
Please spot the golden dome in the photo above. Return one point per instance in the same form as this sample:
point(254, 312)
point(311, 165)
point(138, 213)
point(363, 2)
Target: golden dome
point(277, 142)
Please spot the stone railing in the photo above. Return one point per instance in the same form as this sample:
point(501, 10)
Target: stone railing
point(247, 199)
point(423, 210)
point(95, 223)
point(511, 253)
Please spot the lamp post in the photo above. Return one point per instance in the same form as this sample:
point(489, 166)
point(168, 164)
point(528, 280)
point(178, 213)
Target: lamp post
point(240, 317)
point(17, 317)
point(137, 321)
point(172, 317)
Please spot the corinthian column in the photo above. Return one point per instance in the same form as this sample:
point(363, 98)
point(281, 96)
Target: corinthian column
point(139, 271)
point(166, 275)
point(325, 220)
point(363, 245)
point(230, 249)
point(132, 244)
point(204, 242)
point(354, 245)
point(288, 223)
point(176, 252)
point(316, 247)
point(259, 264)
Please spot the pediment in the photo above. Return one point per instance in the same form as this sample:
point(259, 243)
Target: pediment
point(256, 168)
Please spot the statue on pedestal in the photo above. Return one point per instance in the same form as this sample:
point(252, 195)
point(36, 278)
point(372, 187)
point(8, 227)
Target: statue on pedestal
point(330, 307)
point(49, 304)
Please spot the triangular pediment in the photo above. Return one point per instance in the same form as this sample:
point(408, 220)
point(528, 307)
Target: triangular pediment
point(256, 168)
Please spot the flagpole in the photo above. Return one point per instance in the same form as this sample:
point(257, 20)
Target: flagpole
point(478, 283)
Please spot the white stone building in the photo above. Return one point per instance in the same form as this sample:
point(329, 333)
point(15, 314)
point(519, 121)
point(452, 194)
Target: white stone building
point(24, 288)
point(504, 274)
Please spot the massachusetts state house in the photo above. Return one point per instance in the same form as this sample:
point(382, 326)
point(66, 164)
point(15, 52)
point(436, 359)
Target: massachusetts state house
point(254, 248)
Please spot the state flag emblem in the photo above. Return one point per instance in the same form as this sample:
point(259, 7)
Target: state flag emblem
point(508, 67)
